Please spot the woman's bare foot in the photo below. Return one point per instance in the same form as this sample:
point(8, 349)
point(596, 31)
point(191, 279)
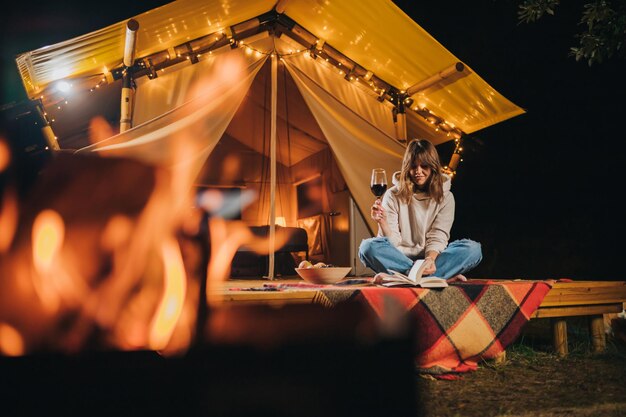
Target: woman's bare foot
point(457, 278)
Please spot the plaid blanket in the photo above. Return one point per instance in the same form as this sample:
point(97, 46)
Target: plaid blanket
point(457, 326)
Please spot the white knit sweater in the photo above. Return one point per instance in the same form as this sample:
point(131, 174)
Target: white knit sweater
point(422, 225)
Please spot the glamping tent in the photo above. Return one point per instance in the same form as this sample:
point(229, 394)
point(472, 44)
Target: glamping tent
point(291, 102)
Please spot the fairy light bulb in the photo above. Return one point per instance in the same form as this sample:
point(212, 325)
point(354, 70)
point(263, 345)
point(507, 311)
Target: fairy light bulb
point(63, 86)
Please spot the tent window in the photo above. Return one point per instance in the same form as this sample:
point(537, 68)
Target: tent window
point(224, 202)
point(309, 194)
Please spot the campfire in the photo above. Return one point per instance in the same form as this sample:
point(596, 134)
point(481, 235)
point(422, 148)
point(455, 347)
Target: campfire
point(106, 308)
point(111, 252)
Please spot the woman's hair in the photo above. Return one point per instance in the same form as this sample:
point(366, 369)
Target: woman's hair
point(421, 152)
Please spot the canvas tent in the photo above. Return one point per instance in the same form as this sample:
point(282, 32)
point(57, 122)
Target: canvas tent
point(264, 94)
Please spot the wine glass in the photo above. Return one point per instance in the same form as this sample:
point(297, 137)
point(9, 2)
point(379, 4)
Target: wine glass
point(379, 182)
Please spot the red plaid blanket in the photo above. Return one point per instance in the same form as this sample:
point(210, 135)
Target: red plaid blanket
point(457, 326)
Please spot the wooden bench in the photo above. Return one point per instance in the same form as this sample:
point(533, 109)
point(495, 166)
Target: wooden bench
point(591, 299)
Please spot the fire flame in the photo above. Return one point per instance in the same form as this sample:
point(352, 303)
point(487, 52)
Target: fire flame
point(11, 342)
point(8, 219)
point(5, 155)
point(8, 202)
point(226, 238)
point(130, 279)
point(48, 231)
point(171, 305)
point(47, 237)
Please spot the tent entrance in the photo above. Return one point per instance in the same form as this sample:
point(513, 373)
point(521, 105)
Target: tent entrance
point(311, 192)
point(219, 110)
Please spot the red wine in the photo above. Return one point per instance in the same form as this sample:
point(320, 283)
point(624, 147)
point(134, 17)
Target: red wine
point(378, 189)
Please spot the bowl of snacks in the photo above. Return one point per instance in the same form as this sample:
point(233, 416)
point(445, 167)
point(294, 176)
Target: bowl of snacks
point(321, 273)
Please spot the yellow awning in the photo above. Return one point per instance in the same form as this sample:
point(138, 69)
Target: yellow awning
point(376, 34)
point(382, 38)
point(159, 29)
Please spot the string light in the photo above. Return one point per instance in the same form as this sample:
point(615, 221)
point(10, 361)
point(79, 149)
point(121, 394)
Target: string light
point(363, 77)
point(258, 53)
point(98, 84)
point(63, 102)
point(438, 123)
point(455, 159)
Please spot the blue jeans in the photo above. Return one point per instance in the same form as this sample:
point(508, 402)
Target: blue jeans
point(459, 257)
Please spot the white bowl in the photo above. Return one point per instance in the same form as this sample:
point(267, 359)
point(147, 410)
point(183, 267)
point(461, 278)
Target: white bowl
point(323, 275)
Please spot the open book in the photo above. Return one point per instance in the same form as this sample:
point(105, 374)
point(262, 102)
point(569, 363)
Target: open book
point(414, 279)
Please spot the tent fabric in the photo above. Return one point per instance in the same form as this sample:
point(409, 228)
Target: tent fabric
point(184, 83)
point(357, 144)
point(184, 136)
point(352, 120)
point(159, 29)
point(374, 33)
point(175, 86)
point(361, 101)
point(299, 136)
point(210, 117)
point(382, 38)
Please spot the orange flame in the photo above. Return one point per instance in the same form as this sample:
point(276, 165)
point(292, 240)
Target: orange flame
point(8, 218)
point(99, 129)
point(47, 236)
point(121, 277)
point(171, 305)
point(5, 155)
point(226, 238)
point(48, 231)
point(11, 342)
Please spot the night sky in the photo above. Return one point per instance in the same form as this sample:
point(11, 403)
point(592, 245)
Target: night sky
point(540, 191)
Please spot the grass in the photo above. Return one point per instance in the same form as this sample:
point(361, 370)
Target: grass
point(535, 381)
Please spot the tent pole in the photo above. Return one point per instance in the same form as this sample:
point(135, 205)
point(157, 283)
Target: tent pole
point(401, 127)
point(46, 129)
point(127, 92)
point(272, 234)
point(280, 6)
point(454, 70)
point(399, 119)
point(455, 159)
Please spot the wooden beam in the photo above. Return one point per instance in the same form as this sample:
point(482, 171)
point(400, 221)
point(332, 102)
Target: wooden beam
point(585, 293)
point(452, 71)
point(559, 336)
point(577, 310)
point(131, 39)
point(596, 332)
point(46, 129)
point(401, 133)
point(281, 5)
point(272, 232)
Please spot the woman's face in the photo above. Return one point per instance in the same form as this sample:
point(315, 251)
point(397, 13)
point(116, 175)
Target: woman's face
point(420, 173)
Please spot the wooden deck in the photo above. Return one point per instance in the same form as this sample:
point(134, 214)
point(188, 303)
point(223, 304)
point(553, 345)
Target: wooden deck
point(591, 299)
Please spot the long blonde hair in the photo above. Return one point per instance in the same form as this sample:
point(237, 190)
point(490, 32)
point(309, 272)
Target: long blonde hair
point(421, 152)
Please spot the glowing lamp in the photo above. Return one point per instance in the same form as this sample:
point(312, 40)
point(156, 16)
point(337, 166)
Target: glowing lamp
point(63, 86)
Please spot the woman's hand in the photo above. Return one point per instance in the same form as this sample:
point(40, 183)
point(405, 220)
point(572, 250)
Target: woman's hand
point(378, 212)
point(432, 268)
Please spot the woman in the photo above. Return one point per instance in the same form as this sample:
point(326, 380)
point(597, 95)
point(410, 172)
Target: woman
point(414, 221)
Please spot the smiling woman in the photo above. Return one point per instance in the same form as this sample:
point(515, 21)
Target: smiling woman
point(521, 191)
point(414, 221)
